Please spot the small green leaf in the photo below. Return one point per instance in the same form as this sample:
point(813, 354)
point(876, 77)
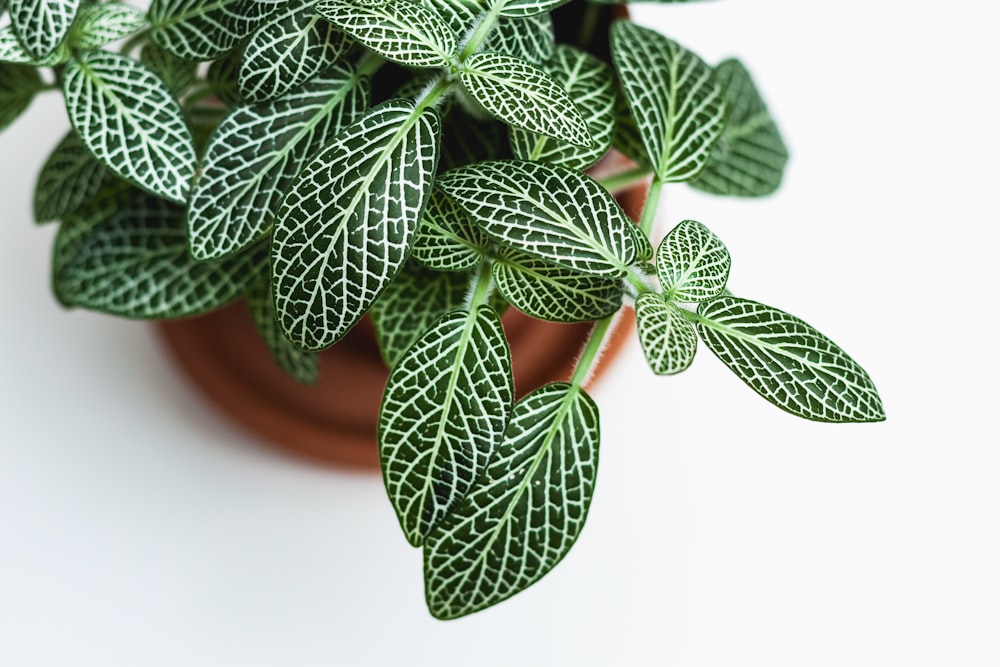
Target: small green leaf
point(287, 50)
point(205, 29)
point(413, 301)
point(42, 25)
point(18, 85)
point(70, 178)
point(547, 211)
point(750, 158)
point(788, 362)
point(256, 152)
point(525, 511)
point(402, 30)
point(13, 53)
point(301, 365)
point(100, 24)
point(668, 339)
point(444, 411)
point(129, 120)
point(447, 240)
point(554, 293)
point(672, 94)
point(347, 222)
point(532, 39)
point(135, 263)
point(591, 85)
point(692, 263)
point(523, 95)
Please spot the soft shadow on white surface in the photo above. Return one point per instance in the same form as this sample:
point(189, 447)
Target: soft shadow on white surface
point(139, 528)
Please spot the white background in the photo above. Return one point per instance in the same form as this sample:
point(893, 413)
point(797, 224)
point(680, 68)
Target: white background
point(138, 528)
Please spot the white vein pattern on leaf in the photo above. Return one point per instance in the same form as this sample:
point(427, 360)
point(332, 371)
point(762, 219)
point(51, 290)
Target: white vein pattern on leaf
point(41, 25)
point(532, 39)
point(446, 239)
point(668, 340)
point(692, 263)
point(205, 29)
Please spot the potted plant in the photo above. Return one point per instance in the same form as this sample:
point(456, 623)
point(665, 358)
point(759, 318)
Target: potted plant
point(423, 162)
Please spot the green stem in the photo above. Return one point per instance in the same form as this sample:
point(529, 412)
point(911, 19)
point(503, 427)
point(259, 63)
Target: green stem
point(624, 179)
point(588, 25)
point(591, 352)
point(482, 30)
point(134, 41)
point(649, 209)
point(484, 285)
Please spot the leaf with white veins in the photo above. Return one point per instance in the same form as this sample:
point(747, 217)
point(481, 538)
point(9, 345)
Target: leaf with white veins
point(42, 25)
point(70, 178)
point(101, 24)
point(447, 240)
point(302, 365)
point(692, 263)
point(668, 340)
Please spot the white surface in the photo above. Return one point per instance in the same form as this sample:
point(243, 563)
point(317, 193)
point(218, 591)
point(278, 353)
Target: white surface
point(138, 528)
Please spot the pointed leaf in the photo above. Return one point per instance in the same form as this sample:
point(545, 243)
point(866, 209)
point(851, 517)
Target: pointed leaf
point(591, 85)
point(692, 263)
point(526, 510)
point(403, 31)
point(668, 339)
point(673, 96)
point(414, 300)
point(523, 95)
point(129, 120)
point(18, 85)
point(256, 152)
point(447, 240)
point(445, 408)
point(101, 24)
point(554, 293)
point(42, 25)
point(302, 365)
point(205, 29)
point(135, 263)
point(550, 212)
point(788, 362)
point(532, 39)
point(288, 49)
point(750, 157)
point(70, 178)
point(348, 220)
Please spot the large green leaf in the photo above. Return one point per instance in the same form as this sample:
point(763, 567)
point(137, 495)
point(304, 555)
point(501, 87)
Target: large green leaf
point(750, 158)
point(256, 152)
point(673, 96)
point(134, 263)
point(42, 25)
point(130, 121)
point(692, 263)
point(525, 511)
point(18, 85)
point(288, 49)
point(447, 240)
point(413, 301)
point(101, 24)
point(554, 293)
point(591, 84)
point(788, 362)
point(303, 365)
point(348, 221)
point(547, 211)
point(70, 178)
point(403, 31)
point(523, 95)
point(668, 339)
point(532, 39)
point(205, 29)
point(444, 410)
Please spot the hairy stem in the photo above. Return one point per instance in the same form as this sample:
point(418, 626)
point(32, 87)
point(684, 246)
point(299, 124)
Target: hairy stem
point(592, 350)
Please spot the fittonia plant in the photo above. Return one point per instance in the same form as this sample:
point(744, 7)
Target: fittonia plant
point(422, 161)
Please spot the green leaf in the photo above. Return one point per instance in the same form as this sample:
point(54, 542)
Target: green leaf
point(554, 293)
point(668, 339)
point(12, 52)
point(692, 263)
point(458, 14)
point(788, 362)
point(129, 120)
point(413, 301)
point(523, 95)
point(532, 39)
point(18, 85)
point(402, 31)
point(205, 29)
point(291, 47)
point(750, 158)
point(301, 365)
point(444, 411)
point(591, 85)
point(468, 139)
point(70, 178)
point(256, 152)
point(526, 510)
point(135, 263)
point(627, 139)
point(42, 25)
point(223, 77)
point(526, 8)
point(100, 24)
point(672, 94)
point(347, 222)
point(176, 73)
point(547, 211)
point(446, 239)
